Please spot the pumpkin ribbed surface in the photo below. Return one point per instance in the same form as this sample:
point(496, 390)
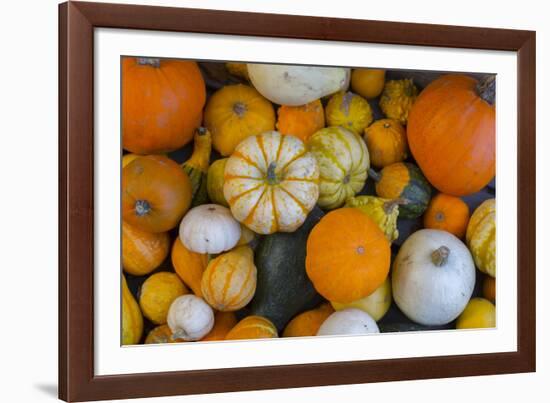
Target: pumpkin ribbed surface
point(343, 162)
point(142, 251)
point(480, 237)
point(271, 183)
point(229, 281)
point(387, 142)
point(252, 327)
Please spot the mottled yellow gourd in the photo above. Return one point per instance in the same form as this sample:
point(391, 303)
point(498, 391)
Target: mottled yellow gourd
point(480, 236)
point(398, 98)
point(383, 211)
point(132, 321)
point(350, 111)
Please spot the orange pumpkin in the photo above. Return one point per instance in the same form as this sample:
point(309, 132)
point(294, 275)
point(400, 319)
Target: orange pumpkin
point(162, 103)
point(301, 121)
point(252, 327)
point(223, 323)
point(489, 288)
point(308, 323)
point(447, 213)
point(189, 266)
point(451, 133)
point(161, 334)
point(156, 193)
point(142, 251)
point(347, 255)
point(387, 142)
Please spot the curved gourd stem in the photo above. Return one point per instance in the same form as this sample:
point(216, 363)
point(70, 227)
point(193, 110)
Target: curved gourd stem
point(375, 175)
point(148, 61)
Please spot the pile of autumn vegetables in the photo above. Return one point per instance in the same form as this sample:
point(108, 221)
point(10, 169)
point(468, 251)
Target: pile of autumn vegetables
point(285, 201)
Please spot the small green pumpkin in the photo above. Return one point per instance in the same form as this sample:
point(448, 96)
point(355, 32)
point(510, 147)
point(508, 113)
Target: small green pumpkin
point(384, 212)
point(404, 181)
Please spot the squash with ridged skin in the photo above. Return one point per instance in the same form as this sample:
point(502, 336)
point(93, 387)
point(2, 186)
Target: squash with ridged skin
point(368, 83)
point(478, 314)
point(347, 255)
point(480, 236)
point(235, 112)
point(223, 323)
point(307, 323)
point(156, 193)
point(398, 98)
point(343, 161)
point(252, 327)
point(196, 167)
point(376, 304)
point(301, 121)
point(160, 335)
point(189, 266)
point(214, 182)
point(271, 183)
point(350, 111)
point(229, 282)
point(132, 320)
point(142, 251)
point(387, 142)
point(162, 101)
point(157, 294)
point(447, 213)
point(382, 211)
point(403, 181)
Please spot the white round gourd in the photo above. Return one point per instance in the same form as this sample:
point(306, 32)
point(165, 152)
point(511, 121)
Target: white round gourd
point(433, 277)
point(190, 318)
point(297, 85)
point(348, 321)
point(209, 228)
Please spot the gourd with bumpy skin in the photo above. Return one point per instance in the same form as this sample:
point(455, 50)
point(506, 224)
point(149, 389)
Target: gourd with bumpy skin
point(209, 228)
point(235, 112)
point(214, 182)
point(190, 318)
point(343, 161)
point(349, 111)
point(433, 277)
point(297, 85)
point(301, 121)
point(196, 167)
point(478, 314)
point(347, 255)
point(229, 282)
point(132, 321)
point(160, 335)
point(271, 183)
point(376, 304)
point(368, 83)
point(480, 236)
point(223, 323)
point(398, 98)
point(307, 323)
point(387, 142)
point(447, 213)
point(252, 327)
point(142, 251)
point(403, 181)
point(383, 211)
point(452, 133)
point(162, 101)
point(189, 266)
point(156, 193)
point(157, 294)
point(348, 321)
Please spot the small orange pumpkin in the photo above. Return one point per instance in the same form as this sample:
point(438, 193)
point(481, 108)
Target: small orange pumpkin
point(189, 266)
point(387, 142)
point(368, 83)
point(142, 252)
point(223, 323)
point(252, 327)
point(162, 103)
point(447, 213)
point(301, 121)
point(347, 255)
point(156, 193)
point(308, 323)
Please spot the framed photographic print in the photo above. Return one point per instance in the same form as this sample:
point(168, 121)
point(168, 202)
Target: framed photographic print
point(254, 201)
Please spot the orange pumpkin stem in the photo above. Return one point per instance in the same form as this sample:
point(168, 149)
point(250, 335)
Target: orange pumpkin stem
point(239, 108)
point(486, 89)
point(142, 207)
point(440, 256)
point(148, 61)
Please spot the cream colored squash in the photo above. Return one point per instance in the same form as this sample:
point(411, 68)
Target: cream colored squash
point(433, 277)
point(348, 321)
point(190, 318)
point(376, 304)
point(297, 85)
point(271, 183)
point(209, 228)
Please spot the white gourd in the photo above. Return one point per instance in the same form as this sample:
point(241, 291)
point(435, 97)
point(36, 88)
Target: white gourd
point(348, 321)
point(209, 228)
point(190, 318)
point(433, 277)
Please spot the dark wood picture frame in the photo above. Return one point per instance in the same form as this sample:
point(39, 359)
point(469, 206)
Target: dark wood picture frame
point(77, 22)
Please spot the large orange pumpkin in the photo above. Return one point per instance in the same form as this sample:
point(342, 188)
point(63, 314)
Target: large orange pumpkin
point(162, 103)
point(156, 193)
point(347, 255)
point(451, 133)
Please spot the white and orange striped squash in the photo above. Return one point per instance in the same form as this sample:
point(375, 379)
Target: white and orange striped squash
point(229, 281)
point(253, 327)
point(271, 183)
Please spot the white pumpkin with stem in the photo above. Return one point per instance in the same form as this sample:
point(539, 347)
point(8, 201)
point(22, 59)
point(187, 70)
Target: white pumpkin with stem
point(209, 228)
point(297, 85)
point(271, 183)
point(348, 321)
point(433, 277)
point(190, 318)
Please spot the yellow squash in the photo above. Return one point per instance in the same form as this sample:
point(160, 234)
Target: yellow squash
point(478, 314)
point(196, 167)
point(398, 98)
point(350, 111)
point(132, 321)
point(480, 236)
point(157, 294)
point(214, 182)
